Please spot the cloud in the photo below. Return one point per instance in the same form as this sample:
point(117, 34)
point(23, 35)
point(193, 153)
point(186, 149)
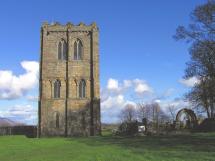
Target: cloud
point(117, 101)
point(113, 85)
point(113, 101)
point(111, 107)
point(21, 113)
point(177, 103)
point(114, 96)
point(13, 87)
point(127, 83)
point(141, 86)
point(117, 95)
point(190, 82)
point(32, 98)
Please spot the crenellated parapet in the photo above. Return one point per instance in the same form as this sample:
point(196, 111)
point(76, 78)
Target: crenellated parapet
point(56, 26)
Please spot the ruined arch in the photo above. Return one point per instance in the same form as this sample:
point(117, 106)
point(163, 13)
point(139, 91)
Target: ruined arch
point(191, 119)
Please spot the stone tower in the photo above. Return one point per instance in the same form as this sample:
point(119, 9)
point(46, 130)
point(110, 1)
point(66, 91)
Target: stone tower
point(69, 103)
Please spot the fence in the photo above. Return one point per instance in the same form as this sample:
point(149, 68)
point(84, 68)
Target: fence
point(29, 131)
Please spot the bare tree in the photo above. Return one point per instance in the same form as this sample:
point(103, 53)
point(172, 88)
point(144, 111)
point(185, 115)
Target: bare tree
point(151, 111)
point(141, 111)
point(128, 114)
point(146, 111)
point(172, 111)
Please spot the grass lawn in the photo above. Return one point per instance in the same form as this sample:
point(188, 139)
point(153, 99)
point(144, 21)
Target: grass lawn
point(196, 147)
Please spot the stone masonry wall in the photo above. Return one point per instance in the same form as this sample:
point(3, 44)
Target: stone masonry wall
point(75, 114)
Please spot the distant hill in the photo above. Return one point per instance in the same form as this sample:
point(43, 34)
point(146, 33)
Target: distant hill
point(7, 122)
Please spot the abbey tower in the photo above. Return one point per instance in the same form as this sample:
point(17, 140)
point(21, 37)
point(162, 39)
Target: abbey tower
point(69, 103)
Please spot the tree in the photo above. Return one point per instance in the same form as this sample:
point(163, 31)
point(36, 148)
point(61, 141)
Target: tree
point(172, 112)
point(158, 115)
point(128, 114)
point(201, 34)
point(202, 95)
point(152, 112)
point(129, 125)
point(144, 111)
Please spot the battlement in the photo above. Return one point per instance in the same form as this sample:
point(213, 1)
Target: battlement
point(69, 26)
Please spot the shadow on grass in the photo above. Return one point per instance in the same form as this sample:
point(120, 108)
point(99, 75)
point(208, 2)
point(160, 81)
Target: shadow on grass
point(183, 143)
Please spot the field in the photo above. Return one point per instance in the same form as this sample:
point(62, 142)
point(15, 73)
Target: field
point(195, 147)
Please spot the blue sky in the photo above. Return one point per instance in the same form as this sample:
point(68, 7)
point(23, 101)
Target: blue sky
point(136, 45)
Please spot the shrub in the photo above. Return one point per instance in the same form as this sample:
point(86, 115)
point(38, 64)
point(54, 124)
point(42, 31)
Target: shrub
point(128, 128)
point(207, 125)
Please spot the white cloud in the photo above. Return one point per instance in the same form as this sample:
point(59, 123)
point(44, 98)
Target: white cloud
point(127, 83)
point(113, 84)
point(141, 86)
point(113, 101)
point(12, 86)
point(113, 97)
point(157, 101)
point(32, 98)
point(111, 107)
point(21, 113)
point(116, 96)
point(191, 82)
point(177, 103)
point(138, 85)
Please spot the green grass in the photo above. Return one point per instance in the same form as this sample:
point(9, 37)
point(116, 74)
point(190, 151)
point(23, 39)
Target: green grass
point(195, 147)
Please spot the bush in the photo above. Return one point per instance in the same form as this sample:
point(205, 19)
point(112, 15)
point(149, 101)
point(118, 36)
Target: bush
point(207, 125)
point(128, 128)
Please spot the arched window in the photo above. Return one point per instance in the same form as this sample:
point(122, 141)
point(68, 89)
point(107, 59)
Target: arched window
point(59, 50)
point(57, 119)
point(78, 50)
point(82, 89)
point(62, 50)
point(57, 89)
point(75, 51)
